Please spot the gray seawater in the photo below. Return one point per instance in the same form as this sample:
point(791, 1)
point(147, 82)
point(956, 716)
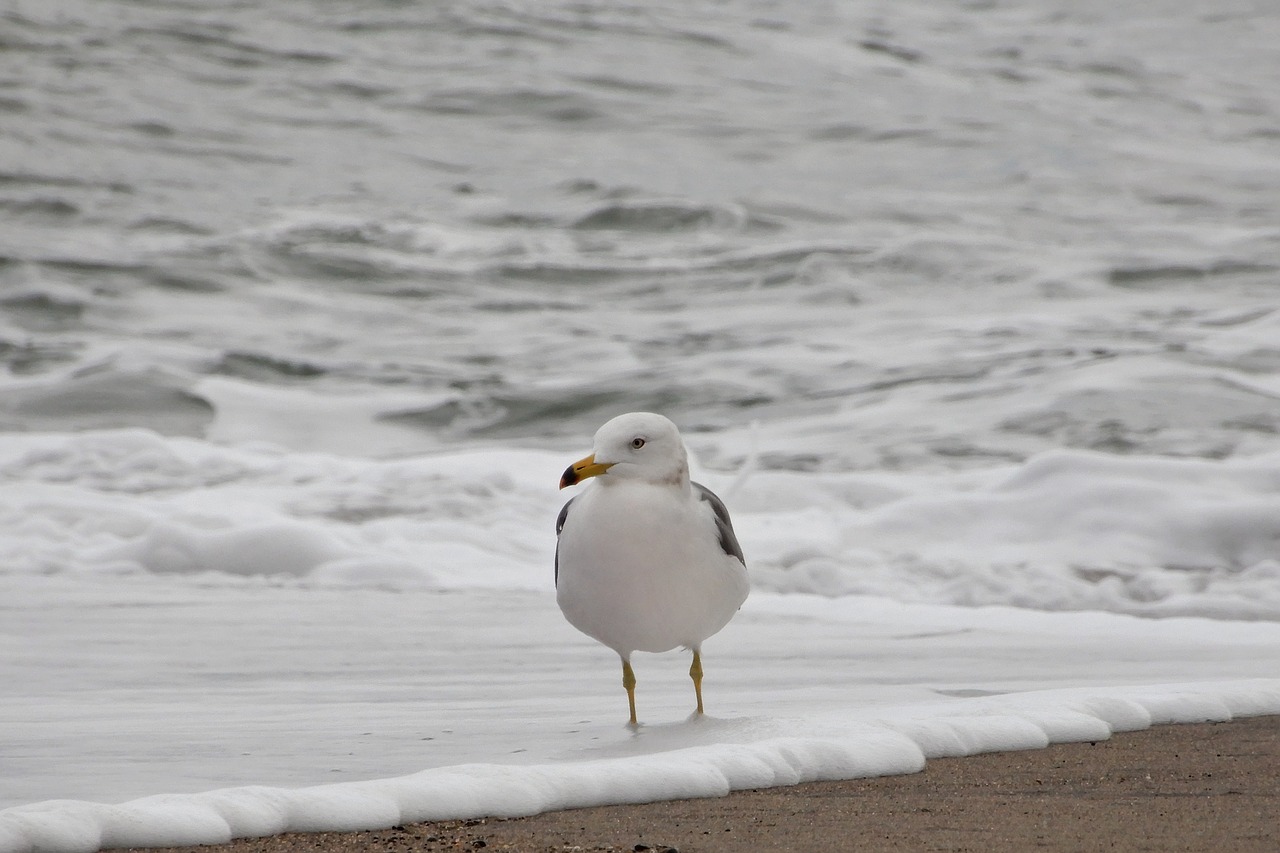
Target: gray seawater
point(903, 234)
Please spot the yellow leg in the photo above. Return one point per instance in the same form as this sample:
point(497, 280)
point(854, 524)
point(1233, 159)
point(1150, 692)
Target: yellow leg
point(695, 672)
point(629, 682)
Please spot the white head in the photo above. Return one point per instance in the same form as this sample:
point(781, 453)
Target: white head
point(635, 446)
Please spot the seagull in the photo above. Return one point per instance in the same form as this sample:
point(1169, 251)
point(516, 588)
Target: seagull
point(646, 560)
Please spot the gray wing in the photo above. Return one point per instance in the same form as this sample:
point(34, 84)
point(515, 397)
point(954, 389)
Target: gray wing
point(564, 513)
point(724, 527)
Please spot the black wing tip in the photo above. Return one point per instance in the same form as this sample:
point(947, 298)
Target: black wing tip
point(560, 519)
point(724, 527)
point(564, 513)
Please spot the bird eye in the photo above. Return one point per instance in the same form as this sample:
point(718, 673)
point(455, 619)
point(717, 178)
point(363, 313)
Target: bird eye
point(637, 443)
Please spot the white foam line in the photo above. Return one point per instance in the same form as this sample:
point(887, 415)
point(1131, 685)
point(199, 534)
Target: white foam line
point(897, 744)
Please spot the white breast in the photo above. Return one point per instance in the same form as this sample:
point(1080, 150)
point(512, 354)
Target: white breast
point(641, 568)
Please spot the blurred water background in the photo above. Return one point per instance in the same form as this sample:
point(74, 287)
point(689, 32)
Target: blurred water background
point(965, 302)
point(898, 235)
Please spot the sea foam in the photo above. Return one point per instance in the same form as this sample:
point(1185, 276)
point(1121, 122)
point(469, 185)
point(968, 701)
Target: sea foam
point(894, 745)
point(1066, 530)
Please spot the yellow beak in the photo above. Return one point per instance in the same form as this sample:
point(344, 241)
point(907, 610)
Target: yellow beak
point(582, 470)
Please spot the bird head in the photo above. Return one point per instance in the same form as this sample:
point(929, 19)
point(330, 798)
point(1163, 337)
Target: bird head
point(635, 446)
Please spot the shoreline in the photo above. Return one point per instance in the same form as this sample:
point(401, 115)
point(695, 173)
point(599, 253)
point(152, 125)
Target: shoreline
point(1179, 787)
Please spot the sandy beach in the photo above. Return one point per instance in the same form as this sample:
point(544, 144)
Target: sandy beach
point(1210, 786)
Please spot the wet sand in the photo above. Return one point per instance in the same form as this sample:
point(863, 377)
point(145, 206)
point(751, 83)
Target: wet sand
point(1210, 786)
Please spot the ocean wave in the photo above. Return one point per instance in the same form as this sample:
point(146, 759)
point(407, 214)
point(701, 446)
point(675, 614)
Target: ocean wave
point(1069, 530)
